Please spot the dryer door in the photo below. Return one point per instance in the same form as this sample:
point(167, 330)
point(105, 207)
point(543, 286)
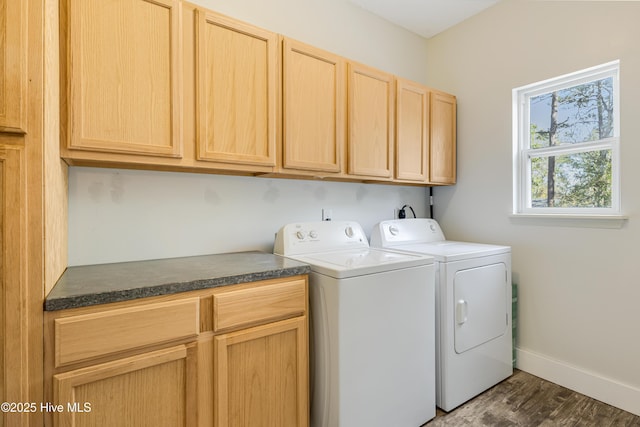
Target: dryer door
point(480, 305)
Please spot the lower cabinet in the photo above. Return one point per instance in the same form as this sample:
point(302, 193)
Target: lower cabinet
point(230, 356)
point(155, 389)
point(260, 376)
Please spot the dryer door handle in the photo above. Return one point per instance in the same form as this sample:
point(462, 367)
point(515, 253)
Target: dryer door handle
point(461, 311)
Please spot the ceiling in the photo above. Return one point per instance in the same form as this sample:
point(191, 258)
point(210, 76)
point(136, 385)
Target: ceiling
point(425, 17)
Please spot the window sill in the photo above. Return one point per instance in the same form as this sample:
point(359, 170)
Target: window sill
point(569, 220)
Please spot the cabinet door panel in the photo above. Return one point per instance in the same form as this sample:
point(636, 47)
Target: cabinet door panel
point(260, 376)
point(314, 107)
point(13, 266)
point(152, 389)
point(412, 131)
point(236, 91)
point(370, 100)
point(443, 138)
point(13, 65)
point(123, 83)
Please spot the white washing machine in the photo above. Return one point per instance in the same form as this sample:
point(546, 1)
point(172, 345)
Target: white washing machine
point(372, 327)
point(473, 307)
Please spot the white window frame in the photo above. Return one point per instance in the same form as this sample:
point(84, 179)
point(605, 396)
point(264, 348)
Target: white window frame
point(522, 153)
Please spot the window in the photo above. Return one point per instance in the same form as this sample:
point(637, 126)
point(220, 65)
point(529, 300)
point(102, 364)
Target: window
point(566, 144)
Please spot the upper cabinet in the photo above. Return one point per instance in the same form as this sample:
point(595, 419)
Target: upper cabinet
point(13, 65)
point(169, 85)
point(122, 76)
point(370, 122)
point(412, 132)
point(313, 108)
point(236, 91)
point(425, 135)
point(443, 138)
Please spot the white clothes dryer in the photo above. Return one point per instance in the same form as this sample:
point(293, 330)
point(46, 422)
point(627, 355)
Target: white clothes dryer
point(372, 327)
point(473, 307)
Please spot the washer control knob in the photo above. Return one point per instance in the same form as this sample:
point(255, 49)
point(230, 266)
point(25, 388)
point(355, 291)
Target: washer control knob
point(313, 234)
point(300, 235)
point(393, 230)
point(432, 227)
point(349, 231)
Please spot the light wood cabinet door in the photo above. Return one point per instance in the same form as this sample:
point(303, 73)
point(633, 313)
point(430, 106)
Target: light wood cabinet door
point(152, 389)
point(314, 98)
point(370, 122)
point(412, 132)
point(443, 138)
point(122, 80)
point(13, 65)
point(236, 91)
point(13, 282)
point(261, 376)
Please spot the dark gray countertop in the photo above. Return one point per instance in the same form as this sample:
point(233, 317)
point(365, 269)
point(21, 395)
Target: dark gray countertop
point(104, 283)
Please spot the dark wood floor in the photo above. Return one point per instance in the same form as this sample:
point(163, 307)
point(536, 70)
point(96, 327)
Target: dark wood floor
point(526, 400)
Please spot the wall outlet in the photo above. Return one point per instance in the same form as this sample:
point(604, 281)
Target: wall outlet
point(327, 214)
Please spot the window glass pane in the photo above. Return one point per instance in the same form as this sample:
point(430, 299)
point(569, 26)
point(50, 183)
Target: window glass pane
point(580, 180)
point(576, 114)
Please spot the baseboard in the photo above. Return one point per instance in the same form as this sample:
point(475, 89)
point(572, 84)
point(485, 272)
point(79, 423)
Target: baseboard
point(606, 390)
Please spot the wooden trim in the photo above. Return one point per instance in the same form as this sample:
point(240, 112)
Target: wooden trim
point(55, 178)
point(205, 380)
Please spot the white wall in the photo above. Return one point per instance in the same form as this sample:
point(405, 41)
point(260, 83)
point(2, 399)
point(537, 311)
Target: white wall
point(579, 287)
point(124, 215)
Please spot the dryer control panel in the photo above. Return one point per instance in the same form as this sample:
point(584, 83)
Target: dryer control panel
point(405, 231)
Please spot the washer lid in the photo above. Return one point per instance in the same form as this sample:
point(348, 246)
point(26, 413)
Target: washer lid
point(449, 250)
point(360, 262)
